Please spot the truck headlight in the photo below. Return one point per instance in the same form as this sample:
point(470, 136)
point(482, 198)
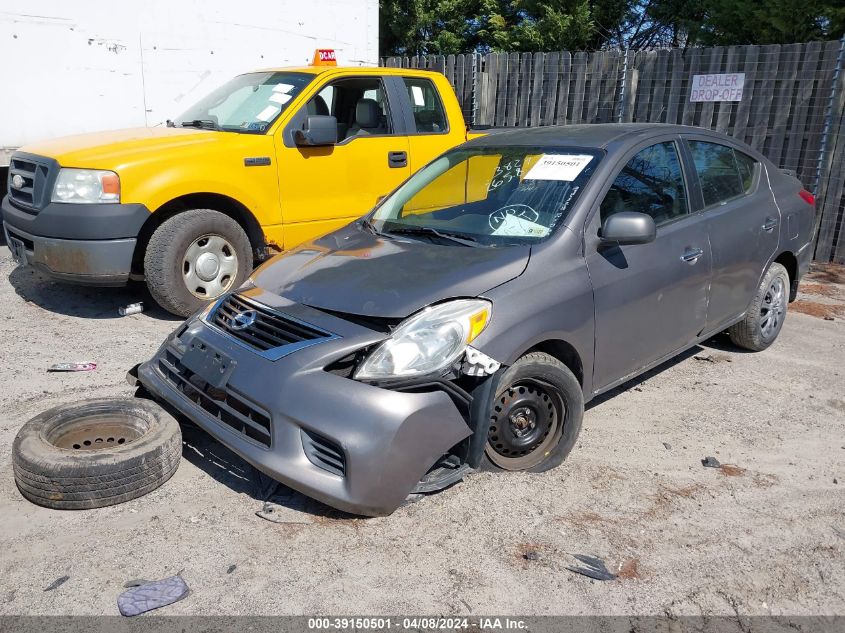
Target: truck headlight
point(86, 186)
point(429, 341)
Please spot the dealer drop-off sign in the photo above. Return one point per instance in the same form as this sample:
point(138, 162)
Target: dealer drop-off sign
point(724, 87)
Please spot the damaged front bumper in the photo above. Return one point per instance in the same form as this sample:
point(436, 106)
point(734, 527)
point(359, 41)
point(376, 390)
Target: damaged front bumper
point(355, 446)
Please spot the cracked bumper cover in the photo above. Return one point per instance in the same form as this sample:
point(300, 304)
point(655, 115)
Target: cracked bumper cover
point(389, 438)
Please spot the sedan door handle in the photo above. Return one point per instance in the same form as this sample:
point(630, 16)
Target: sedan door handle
point(769, 225)
point(397, 159)
point(691, 255)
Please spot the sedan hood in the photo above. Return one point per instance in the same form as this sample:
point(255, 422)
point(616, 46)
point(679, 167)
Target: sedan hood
point(356, 272)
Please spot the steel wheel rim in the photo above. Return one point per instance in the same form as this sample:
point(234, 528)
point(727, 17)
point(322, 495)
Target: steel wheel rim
point(210, 266)
point(525, 425)
point(773, 308)
point(98, 432)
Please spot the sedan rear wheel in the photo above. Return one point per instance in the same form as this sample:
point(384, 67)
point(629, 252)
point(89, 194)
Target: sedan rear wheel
point(766, 314)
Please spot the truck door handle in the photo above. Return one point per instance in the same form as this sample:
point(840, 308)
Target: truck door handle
point(691, 255)
point(397, 159)
point(769, 225)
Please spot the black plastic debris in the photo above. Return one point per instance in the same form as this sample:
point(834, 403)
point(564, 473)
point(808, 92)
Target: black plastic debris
point(58, 582)
point(592, 567)
point(231, 569)
point(667, 446)
point(152, 595)
point(710, 462)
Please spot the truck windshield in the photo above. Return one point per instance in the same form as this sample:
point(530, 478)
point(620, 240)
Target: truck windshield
point(248, 103)
point(489, 196)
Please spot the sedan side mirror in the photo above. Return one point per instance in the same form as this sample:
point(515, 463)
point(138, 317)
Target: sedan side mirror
point(628, 227)
point(318, 130)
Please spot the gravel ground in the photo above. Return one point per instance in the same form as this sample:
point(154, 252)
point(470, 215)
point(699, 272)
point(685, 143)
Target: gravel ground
point(765, 535)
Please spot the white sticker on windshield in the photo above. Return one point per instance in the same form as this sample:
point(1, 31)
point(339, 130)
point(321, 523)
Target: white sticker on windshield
point(419, 98)
point(279, 97)
point(564, 167)
point(267, 113)
point(513, 226)
point(283, 87)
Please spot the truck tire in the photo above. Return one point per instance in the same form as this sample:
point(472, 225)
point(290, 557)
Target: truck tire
point(766, 314)
point(95, 453)
point(535, 417)
point(195, 257)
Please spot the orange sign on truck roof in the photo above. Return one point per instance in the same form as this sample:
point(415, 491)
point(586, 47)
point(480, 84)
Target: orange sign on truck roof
point(324, 57)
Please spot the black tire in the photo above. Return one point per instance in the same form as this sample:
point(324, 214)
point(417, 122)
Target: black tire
point(755, 332)
point(164, 258)
point(50, 472)
point(536, 382)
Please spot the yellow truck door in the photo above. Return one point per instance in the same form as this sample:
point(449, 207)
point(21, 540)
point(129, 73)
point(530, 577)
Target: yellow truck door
point(325, 187)
point(433, 118)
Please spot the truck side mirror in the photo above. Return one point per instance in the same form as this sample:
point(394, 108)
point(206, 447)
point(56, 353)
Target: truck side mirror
point(318, 130)
point(628, 227)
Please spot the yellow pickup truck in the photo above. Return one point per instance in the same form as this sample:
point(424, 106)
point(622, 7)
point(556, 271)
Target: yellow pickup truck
point(267, 161)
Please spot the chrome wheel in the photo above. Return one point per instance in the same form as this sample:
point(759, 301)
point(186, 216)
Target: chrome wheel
point(526, 422)
point(209, 267)
point(772, 308)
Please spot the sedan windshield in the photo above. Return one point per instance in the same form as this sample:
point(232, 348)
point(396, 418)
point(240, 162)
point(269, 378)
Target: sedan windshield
point(247, 104)
point(490, 196)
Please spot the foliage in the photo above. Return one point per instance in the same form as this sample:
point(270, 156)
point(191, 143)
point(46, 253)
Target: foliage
point(420, 27)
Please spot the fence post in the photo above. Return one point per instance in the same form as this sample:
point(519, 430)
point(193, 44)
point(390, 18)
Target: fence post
point(476, 74)
point(830, 157)
point(620, 117)
point(828, 114)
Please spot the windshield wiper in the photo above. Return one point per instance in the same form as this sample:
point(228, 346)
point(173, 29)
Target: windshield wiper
point(458, 238)
point(202, 124)
point(367, 223)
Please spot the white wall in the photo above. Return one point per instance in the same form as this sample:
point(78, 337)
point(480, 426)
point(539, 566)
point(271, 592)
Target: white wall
point(86, 65)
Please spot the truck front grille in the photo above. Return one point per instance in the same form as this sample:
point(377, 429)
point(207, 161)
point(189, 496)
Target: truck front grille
point(32, 180)
point(262, 328)
point(228, 406)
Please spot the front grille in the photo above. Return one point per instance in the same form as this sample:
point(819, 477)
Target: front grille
point(226, 404)
point(324, 453)
point(28, 196)
point(270, 329)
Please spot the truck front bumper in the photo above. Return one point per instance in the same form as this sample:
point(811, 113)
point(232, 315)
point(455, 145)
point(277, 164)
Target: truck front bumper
point(83, 244)
point(354, 446)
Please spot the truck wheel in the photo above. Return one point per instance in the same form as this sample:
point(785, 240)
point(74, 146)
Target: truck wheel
point(535, 417)
point(195, 257)
point(766, 314)
point(96, 453)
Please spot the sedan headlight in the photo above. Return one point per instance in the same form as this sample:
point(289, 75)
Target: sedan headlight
point(86, 186)
point(429, 341)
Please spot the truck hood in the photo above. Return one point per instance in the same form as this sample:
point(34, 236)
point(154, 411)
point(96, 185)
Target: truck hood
point(356, 272)
point(112, 149)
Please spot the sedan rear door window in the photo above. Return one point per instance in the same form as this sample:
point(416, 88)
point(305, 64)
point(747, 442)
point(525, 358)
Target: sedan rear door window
point(651, 182)
point(722, 172)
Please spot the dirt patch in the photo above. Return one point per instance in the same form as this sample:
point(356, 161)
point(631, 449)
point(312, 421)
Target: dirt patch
point(730, 470)
point(819, 310)
point(831, 273)
point(583, 520)
point(527, 553)
point(839, 405)
point(629, 570)
point(821, 290)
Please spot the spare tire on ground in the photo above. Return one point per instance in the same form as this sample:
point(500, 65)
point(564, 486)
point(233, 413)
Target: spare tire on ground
point(96, 453)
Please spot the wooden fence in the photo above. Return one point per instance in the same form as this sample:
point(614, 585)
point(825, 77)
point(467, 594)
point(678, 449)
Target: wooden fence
point(792, 107)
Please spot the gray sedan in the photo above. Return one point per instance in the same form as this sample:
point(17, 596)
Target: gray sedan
point(465, 321)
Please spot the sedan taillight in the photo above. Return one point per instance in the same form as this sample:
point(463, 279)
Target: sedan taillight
point(807, 197)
